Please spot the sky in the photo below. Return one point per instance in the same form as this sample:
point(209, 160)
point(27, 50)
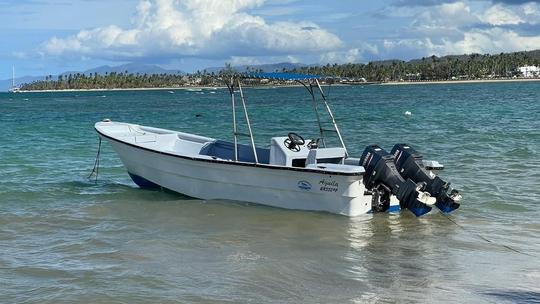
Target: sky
point(42, 37)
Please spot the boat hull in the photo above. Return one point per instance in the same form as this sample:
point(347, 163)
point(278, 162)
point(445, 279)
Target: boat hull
point(289, 188)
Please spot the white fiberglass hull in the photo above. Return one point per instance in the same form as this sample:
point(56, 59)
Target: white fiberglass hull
point(207, 178)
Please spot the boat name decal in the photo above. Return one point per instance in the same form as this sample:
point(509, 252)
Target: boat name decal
point(304, 185)
point(328, 185)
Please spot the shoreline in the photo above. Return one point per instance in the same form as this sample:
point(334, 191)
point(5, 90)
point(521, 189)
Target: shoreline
point(197, 88)
point(126, 89)
point(460, 81)
point(190, 88)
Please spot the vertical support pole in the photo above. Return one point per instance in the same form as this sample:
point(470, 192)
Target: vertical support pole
point(316, 108)
point(332, 117)
point(247, 122)
point(231, 90)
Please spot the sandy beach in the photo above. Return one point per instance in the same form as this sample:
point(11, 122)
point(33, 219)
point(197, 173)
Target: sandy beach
point(460, 81)
point(189, 88)
point(126, 89)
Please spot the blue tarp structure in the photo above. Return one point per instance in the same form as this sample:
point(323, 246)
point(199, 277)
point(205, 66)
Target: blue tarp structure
point(282, 76)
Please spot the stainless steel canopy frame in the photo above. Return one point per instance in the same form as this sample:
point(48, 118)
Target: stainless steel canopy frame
point(236, 82)
point(315, 84)
point(312, 85)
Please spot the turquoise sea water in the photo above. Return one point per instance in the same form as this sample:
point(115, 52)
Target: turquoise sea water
point(65, 239)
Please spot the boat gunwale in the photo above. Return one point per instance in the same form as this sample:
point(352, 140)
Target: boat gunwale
point(259, 165)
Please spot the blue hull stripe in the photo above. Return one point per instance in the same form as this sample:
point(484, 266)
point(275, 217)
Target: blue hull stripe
point(394, 208)
point(143, 182)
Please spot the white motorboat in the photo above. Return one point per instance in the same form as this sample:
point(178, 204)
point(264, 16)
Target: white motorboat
point(293, 173)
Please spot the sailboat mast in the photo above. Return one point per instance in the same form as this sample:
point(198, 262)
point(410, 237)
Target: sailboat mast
point(13, 76)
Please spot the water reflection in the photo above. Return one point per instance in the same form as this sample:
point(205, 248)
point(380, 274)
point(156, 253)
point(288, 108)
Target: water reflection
point(401, 254)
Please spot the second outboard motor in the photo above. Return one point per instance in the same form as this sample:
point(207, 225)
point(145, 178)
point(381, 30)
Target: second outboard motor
point(383, 179)
point(410, 165)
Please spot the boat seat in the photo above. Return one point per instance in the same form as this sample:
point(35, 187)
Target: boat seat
point(225, 150)
point(326, 155)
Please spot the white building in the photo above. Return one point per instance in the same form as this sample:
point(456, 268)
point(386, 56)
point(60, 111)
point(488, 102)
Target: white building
point(530, 71)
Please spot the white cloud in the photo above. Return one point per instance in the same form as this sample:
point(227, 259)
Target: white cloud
point(256, 60)
point(496, 40)
point(531, 13)
point(465, 27)
point(236, 61)
point(500, 15)
point(531, 9)
point(448, 15)
point(493, 40)
point(349, 56)
point(201, 28)
point(292, 59)
point(407, 43)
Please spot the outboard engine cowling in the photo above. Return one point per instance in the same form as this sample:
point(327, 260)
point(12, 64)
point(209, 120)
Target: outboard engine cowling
point(410, 165)
point(383, 178)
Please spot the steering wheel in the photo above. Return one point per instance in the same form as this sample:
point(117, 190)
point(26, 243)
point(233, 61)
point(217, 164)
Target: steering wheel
point(294, 142)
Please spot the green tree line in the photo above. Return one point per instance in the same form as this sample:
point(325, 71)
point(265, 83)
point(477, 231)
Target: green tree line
point(114, 80)
point(473, 66)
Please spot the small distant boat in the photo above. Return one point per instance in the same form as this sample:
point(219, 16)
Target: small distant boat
point(14, 88)
point(293, 173)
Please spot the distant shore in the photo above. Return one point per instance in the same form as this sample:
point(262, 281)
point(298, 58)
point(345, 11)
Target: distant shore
point(196, 88)
point(188, 88)
point(126, 89)
point(460, 81)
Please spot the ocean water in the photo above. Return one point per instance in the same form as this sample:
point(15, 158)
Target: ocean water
point(66, 239)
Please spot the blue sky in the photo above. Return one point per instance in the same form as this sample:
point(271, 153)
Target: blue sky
point(41, 37)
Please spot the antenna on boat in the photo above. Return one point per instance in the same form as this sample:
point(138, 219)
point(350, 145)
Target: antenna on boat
point(235, 82)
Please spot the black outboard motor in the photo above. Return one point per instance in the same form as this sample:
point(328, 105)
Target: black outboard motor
point(410, 165)
point(383, 180)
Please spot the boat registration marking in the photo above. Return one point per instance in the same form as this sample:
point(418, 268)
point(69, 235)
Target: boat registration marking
point(328, 185)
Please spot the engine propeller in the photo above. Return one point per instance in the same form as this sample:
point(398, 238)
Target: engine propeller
point(382, 177)
point(410, 165)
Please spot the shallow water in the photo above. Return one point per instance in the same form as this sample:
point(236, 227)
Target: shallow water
point(64, 239)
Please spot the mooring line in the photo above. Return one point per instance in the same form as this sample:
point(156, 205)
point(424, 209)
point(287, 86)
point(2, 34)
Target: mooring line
point(486, 239)
point(95, 170)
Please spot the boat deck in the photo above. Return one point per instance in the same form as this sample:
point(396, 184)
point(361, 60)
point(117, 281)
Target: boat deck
point(200, 147)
